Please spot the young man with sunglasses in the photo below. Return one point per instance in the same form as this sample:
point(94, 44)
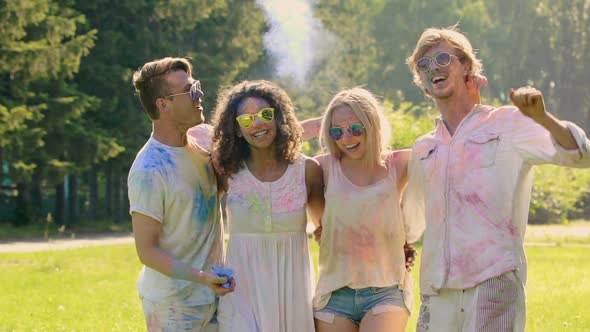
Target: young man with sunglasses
point(174, 204)
point(470, 183)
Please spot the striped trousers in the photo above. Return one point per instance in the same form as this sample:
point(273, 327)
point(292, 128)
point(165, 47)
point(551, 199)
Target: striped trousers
point(495, 305)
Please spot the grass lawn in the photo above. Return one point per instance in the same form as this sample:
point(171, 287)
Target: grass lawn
point(88, 289)
point(93, 289)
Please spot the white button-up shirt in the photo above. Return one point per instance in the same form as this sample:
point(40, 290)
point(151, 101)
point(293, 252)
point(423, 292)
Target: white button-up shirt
point(472, 191)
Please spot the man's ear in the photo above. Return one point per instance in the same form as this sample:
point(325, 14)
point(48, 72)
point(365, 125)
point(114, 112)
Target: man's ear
point(161, 105)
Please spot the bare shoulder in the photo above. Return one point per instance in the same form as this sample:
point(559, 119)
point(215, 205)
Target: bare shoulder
point(323, 159)
point(312, 165)
point(314, 175)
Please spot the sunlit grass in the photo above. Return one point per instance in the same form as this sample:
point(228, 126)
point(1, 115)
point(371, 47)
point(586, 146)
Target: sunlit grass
point(558, 289)
point(88, 289)
point(574, 233)
point(93, 289)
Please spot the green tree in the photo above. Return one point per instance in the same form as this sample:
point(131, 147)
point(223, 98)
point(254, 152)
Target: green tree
point(40, 53)
point(223, 38)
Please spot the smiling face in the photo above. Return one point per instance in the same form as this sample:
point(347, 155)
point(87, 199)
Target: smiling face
point(181, 109)
point(351, 146)
point(444, 82)
point(259, 135)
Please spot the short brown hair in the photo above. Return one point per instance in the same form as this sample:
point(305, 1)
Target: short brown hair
point(234, 150)
point(432, 37)
point(150, 83)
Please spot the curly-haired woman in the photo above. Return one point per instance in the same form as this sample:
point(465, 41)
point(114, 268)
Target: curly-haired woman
point(269, 185)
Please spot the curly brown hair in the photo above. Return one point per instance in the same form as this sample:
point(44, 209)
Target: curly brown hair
point(232, 150)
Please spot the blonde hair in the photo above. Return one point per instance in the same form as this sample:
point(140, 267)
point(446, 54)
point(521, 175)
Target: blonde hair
point(368, 110)
point(432, 37)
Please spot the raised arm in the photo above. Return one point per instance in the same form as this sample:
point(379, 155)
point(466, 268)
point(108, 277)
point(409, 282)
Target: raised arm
point(474, 85)
point(530, 103)
point(311, 128)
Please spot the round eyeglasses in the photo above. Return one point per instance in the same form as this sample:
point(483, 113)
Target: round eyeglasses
point(442, 59)
point(355, 129)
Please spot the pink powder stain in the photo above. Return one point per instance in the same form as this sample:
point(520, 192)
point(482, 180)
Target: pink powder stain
point(461, 264)
point(472, 154)
point(467, 261)
point(510, 227)
point(286, 202)
point(479, 205)
point(360, 243)
point(474, 199)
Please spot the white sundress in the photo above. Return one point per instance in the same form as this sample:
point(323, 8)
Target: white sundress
point(268, 249)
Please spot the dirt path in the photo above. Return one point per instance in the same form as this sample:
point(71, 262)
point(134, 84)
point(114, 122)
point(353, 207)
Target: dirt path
point(66, 243)
point(537, 235)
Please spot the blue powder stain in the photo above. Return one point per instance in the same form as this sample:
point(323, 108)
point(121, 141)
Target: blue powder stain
point(203, 206)
point(144, 181)
point(156, 157)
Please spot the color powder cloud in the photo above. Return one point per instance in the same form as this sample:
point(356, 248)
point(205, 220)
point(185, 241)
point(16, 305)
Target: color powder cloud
point(296, 39)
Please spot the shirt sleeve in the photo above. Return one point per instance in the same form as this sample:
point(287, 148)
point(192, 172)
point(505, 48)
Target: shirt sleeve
point(535, 144)
point(146, 194)
point(413, 208)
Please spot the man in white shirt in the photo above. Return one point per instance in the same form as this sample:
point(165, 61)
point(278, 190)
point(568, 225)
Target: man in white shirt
point(174, 204)
point(470, 183)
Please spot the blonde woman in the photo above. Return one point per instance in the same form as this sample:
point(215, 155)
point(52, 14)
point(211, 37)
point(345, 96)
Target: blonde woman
point(363, 282)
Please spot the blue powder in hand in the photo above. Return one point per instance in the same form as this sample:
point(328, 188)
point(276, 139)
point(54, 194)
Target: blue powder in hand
point(224, 272)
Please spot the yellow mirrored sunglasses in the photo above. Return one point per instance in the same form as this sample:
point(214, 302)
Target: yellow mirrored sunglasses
point(265, 115)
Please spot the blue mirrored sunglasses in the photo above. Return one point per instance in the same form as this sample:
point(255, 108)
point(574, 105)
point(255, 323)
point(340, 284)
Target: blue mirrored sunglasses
point(355, 129)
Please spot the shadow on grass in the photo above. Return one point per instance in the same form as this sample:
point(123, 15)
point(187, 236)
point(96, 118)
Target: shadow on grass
point(49, 230)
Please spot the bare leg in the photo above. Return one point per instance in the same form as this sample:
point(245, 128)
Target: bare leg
point(340, 324)
point(389, 321)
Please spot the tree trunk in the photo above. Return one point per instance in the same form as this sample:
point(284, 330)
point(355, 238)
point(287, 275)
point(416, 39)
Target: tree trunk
point(108, 195)
point(60, 211)
point(72, 201)
point(36, 198)
point(93, 195)
point(117, 198)
point(125, 198)
point(23, 216)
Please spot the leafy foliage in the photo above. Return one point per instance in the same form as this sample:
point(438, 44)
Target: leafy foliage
point(67, 107)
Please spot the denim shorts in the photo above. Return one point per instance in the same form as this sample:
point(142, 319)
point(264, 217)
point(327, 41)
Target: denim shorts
point(355, 303)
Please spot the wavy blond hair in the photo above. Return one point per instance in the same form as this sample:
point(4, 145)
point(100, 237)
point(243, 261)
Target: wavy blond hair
point(368, 110)
point(432, 37)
